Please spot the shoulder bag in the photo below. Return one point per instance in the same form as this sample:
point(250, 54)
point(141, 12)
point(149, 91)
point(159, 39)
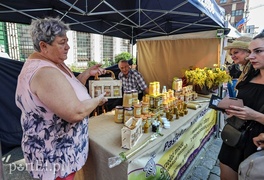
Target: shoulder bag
point(236, 130)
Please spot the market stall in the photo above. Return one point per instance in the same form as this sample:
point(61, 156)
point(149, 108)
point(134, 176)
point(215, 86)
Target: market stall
point(175, 54)
point(131, 20)
point(166, 156)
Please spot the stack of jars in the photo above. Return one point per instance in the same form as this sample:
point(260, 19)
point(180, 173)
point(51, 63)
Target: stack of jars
point(127, 104)
point(131, 107)
point(154, 88)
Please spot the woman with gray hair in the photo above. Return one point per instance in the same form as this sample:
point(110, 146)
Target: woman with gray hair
point(55, 105)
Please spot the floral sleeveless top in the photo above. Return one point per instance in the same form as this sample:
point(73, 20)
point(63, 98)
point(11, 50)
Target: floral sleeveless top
point(52, 147)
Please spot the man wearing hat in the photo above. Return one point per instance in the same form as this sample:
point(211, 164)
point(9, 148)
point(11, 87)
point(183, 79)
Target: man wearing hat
point(238, 51)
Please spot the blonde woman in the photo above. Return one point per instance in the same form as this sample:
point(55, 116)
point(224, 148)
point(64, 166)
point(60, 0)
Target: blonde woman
point(238, 51)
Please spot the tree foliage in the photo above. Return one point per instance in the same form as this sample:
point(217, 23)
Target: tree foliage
point(123, 55)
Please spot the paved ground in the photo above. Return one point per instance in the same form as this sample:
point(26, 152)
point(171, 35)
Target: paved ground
point(206, 165)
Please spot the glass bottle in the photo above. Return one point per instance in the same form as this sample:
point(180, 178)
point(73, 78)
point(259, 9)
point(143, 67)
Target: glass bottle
point(107, 90)
point(164, 89)
point(145, 108)
point(128, 113)
point(119, 114)
point(97, 91)
point(116, 90)
point(127, 99)
point(137, 110)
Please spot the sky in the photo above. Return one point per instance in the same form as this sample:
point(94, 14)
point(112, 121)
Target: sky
point(256, 15)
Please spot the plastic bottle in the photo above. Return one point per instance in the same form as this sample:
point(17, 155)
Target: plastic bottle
point(164, 89)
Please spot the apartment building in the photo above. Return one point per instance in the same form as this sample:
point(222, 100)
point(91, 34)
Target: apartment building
point(85, 47)
point(237, 13)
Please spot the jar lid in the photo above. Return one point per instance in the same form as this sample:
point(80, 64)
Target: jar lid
point(119, 107)
point(127, 92)
point(134, 91)
point(129, 108)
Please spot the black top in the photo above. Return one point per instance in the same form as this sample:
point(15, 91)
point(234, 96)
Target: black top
point(234, 71)
point(253, 97)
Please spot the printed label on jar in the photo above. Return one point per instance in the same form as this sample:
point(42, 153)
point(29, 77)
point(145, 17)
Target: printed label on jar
point(119, 114)
point(107, 90)
point(138, 111)
point(144, 110)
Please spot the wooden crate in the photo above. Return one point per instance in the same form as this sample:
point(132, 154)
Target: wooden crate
point(112, 87)
point(131, 136)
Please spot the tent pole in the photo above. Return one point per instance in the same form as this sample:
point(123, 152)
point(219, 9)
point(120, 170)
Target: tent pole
point(132, 40)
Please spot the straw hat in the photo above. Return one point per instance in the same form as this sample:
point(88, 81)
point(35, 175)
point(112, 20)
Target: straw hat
point(239, 43)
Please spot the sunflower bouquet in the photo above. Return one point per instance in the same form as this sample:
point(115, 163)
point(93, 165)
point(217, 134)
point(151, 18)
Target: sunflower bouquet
point(209, 77)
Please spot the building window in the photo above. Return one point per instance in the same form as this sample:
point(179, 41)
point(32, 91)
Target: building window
point(3, 37)
point(25, 43)
point(237, 13)
point(250, 29)
point(222, 1)
point(83, 47)
point(108, 48)
point(125, 46)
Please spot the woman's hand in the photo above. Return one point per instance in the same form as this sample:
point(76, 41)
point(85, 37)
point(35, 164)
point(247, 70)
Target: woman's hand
point(259, 140)
point(96, 69)
point(102, 99)
point(92, 71)
point(244, 113)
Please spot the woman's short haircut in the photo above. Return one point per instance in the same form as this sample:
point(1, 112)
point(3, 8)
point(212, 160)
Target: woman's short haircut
point(46, 30)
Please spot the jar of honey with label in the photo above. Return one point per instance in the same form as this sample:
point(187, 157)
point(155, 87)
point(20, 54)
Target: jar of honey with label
point(97, 91)
point(128, 113)
point(119, 114)
point(107, 90)
point(137, 110)
point(127, 99)
point(134, 95)
point(145, 108)
point(116, 90)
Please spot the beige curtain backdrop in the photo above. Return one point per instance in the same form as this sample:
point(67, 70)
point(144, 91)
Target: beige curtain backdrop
point(161, 60)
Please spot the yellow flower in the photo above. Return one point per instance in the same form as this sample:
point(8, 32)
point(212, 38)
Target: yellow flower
point(210, 77)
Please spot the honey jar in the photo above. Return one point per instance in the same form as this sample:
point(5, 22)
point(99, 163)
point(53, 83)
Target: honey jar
point(137, 110)
point(145, 108)
point(128, 113)
point(127, 99)
point(151, 101)
point(134, 95)
point(97, 91)
point(107, 90)
point(152, 89)
point(119, 114)
point(157, 88)
point(116, 90)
